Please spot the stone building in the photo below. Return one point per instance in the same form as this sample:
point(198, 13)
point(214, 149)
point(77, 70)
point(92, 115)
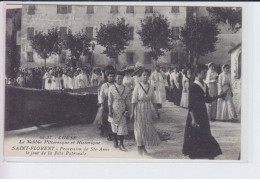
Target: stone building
point(88, 18)
point(13, 39)
point(235, 56)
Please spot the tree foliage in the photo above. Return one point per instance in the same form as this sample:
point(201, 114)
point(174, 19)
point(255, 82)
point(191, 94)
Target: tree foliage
point(200, 36)
point(78, 44)
point(227, 15)
point(156, 34)
point(114, 36)
point(46, 44)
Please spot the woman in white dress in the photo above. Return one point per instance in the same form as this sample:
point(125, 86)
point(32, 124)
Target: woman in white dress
point(211, 81)
point(118, 96)
point(48, 80)
point(129, 82)
point(225, 109)
point(158, 83)
point(185, 91)
point(144, 131)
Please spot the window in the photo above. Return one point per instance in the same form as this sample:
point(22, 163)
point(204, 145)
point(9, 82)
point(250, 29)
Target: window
point(131, 33)
point(63, 57)
point(114, 9)
point(148, 9)
point(174, 58)
point(31, 10)
point(175, 9)
point(147, 58)
point(90, 9)
point(63, 32)
point(89, 32)
point(29, 56)
point(130, 57)
point(130, 9)
point(30, 33)
point(63, 9)
point(176, 32)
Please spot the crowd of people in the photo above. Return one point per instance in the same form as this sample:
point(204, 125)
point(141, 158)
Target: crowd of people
point(131, 93)
point(55, 78)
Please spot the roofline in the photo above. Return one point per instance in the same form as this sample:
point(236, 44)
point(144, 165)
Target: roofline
point(234, 48)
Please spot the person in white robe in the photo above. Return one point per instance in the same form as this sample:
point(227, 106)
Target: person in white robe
point(157, 82)
point(82, 79)
point(225, 108)
point(48, 80)
point(211, 81)
point(185, 91)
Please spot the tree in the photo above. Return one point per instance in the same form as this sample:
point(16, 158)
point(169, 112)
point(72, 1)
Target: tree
point(114, 37)
point(156, 35)
point(78, 44)
point(231, 16)
point(199, 36)
point(46, 44)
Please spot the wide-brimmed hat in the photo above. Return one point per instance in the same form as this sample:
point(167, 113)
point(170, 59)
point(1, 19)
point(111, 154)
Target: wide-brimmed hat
point(225, 65)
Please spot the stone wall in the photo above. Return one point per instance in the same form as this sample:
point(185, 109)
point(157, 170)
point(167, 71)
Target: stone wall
point(46, 17)
point(236, 81)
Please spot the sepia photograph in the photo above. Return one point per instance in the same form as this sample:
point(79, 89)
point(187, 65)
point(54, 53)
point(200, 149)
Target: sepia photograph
point(123, 82)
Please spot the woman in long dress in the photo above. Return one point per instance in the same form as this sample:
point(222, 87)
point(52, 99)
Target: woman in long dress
point(144, 131)
point(198, 140)
point(175, 86)
point(103, 102)
point(185, 91)
point(48, 80)
point(211, 81)
point(129, 82)
point(226, 108)
point(117, 100)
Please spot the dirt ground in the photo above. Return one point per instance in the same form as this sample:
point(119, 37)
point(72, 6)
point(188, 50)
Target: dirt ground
point(170, 128)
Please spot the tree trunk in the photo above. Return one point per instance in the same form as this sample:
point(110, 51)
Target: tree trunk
point(45, 63)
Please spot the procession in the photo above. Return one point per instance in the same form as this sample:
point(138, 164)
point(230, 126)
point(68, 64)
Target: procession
point(160, 82)
point(128, 95)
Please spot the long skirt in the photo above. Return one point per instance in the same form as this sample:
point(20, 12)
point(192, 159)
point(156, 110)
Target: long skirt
point(184, 99)
point(119, 124)
point(144, 131)
point(105, 126)
point(199, 142)
point(226, 108)
point(212, 107)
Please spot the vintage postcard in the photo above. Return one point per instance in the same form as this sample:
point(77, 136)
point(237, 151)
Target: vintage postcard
point(123, 81)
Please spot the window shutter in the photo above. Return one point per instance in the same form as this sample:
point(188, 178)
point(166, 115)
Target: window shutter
point(30, 33)
point(90, 9)
point(69, 8)
point(58, 9)
point(131, 33)
point(31, 10)
point(114, 9)
point(130, 57)
point(130, 9)
point(63, 32)
point(89, 32)
point(29, 56)
point(148, 9)
point(175, 9)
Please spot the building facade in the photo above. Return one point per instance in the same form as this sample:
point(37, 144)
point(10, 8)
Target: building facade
point(88, 18)
point(236, 63)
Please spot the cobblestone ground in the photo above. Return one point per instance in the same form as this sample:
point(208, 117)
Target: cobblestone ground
point(170, 127)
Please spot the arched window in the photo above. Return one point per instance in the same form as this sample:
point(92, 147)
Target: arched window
point(239, 67)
